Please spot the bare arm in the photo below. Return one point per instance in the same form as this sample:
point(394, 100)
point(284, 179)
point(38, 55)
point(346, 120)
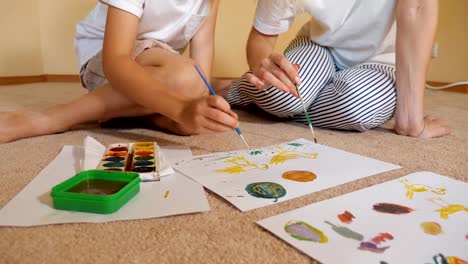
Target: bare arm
point(416, 28)
point(127, 76)
point(202, 44)
point(259, 47)
point(269, 68)
point(197, 115)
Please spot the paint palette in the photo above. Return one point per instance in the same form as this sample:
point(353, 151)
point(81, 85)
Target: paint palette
point(96, 191)
point(116, 158)
point(139, 157)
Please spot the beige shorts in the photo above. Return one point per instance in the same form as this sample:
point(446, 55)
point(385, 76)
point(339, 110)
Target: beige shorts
point(92, 73)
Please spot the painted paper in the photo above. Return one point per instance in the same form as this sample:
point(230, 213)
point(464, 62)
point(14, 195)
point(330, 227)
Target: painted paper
point(173, 195)
point(428, 227)
point(254, 178)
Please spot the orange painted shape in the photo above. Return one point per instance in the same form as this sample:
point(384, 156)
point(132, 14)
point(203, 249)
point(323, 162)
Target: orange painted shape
point(299, 176)
point(116, 154)
point(346, 217)
point(455, 260)
point(144, 153)
point(382, 237)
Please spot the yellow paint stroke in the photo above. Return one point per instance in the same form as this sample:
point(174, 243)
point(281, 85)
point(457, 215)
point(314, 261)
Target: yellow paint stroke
point(167, 194)
point(284, 155)
point(241, 164)
point(411, 188)
point(299, 176)
point(431, 228)
point(446, 208)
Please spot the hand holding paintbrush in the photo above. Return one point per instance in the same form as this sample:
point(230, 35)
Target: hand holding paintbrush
point(212, 92)
point(276, 70)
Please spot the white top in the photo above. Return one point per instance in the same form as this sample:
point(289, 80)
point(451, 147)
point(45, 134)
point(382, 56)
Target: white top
point(355, 31)
point(173, 22)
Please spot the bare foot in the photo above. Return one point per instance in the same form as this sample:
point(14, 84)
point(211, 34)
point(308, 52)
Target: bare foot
point(222, 86)
point(18, 125)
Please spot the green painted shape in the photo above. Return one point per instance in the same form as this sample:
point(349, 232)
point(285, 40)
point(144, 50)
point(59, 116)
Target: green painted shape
point(346, 232)
point(113, 164)
point(266, 190)
point(255, 152)
point(295, 144)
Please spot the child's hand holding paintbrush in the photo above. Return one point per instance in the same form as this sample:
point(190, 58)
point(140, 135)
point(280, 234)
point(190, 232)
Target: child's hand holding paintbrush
point(212, 92)
point(208, 114)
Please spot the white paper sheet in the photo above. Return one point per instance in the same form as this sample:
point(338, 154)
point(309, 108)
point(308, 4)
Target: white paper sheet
point(242, 168)
point(33, 205)
point(410, 244)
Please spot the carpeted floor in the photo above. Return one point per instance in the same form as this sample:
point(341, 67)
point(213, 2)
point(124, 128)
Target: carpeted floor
point(224, 234)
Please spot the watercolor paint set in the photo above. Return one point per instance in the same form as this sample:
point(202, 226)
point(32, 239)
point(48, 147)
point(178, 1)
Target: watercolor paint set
point(96, 191)
point(140, 157)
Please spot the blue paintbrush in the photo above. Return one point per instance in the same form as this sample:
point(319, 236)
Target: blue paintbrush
point(213, 93)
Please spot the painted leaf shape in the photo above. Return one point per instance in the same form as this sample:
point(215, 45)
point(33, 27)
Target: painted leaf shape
point(281, 157)
point(256, 152)
point(295, 144)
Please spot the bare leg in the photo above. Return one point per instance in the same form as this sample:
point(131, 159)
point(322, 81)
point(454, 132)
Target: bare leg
point(105, 103)
point(221, 86)
point(101, 104)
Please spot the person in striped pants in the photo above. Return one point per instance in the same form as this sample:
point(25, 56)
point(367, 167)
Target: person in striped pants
point(357, 64)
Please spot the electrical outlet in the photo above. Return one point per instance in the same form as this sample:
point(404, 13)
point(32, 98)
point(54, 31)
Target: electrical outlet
point(435, 50)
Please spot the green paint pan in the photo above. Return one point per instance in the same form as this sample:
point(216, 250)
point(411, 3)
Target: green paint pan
point(96, 191)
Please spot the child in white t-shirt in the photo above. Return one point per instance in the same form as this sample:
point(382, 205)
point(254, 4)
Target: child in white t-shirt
point(131, 62)
point(353, 66)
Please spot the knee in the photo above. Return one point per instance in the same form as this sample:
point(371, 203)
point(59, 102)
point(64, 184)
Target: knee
point(365, 79)
point(361, 108)
point(180, 76)
point(315, 62)
point(364, 116)
point(283, 106)
point(359, 123)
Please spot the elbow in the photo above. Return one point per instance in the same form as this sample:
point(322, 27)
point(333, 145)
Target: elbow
point(106, 63)
point(110, 61)
point(412, 11)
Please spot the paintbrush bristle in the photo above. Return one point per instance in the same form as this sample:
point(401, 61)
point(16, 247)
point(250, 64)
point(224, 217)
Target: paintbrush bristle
point(306, 114)
point(245, 141)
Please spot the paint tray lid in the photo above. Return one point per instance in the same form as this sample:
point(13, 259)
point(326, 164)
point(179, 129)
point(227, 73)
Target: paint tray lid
point(96, 191)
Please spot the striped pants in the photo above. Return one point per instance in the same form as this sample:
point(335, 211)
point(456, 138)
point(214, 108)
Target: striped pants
point(357, 98)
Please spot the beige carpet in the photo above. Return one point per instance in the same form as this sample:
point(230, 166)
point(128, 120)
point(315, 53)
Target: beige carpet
point(224, 234)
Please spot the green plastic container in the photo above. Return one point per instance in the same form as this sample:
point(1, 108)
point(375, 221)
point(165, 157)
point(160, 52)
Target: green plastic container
point(96, 191)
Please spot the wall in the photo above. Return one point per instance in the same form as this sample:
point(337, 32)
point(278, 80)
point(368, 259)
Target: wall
point(38, 38)
point(452, 63)
point(58, 19)
point(233, 28)
point(20, 47)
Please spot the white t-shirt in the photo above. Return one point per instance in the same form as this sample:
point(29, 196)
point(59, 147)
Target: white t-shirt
point(173, 22)
point(355, 31)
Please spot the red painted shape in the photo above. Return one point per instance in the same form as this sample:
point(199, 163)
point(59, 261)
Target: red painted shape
point(390, 208)
point(382, 237)
point(346, 217)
